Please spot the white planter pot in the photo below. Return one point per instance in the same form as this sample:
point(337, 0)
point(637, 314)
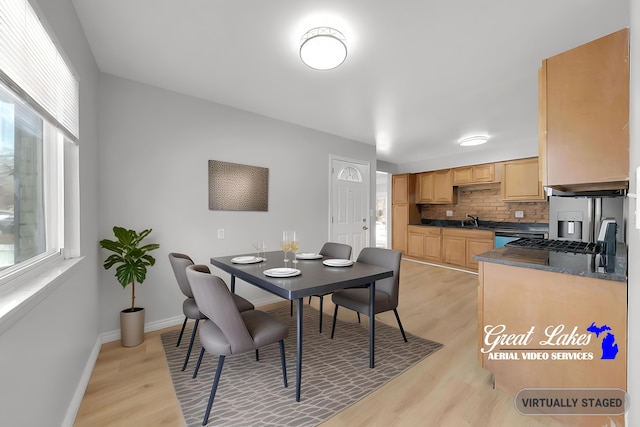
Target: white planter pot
point(132, 327)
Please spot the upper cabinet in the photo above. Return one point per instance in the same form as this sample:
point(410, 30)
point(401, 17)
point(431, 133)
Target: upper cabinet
point(584, 116)
point(435, 187)
point(402, 188)
point(521, 182)
point(476, 174)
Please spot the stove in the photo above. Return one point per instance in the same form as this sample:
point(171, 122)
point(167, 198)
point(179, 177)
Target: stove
point(565, 246)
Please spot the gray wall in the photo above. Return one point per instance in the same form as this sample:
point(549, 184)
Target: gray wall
point(43, 356)
point(154, 151)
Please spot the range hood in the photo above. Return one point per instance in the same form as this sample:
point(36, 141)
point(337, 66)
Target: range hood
point(587, 193)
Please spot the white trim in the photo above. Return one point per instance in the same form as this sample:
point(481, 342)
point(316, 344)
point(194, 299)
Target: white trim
point(440, 265)
point(81, 387)
point(20, 298)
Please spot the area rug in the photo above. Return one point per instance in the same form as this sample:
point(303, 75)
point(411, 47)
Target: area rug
point(335, 373)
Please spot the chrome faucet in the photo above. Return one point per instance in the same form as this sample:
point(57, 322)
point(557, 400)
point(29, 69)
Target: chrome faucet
point(474, 218)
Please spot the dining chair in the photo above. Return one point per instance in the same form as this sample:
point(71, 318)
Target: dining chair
point(179, 263)
point(227, 331)
point(387, 290)
point(331, 250)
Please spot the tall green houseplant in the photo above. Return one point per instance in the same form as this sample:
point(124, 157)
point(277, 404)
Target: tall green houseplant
point(130, 257)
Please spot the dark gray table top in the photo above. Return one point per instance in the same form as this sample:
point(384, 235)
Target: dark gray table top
point(315, 277)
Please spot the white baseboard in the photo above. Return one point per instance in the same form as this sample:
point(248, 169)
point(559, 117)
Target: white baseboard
point(78, 395)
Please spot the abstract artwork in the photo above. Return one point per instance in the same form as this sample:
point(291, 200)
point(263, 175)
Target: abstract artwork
point(236, 187)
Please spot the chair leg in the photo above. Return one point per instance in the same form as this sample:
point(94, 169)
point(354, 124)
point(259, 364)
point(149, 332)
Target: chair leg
point(184, 324)
point(214, 388)
point(358, 313)
point(257, 355)
point(321, 298)
point(193, 337)
point(335, 315)
point(195, 371)
point(310, 298)
point(395, 311)
point(284, 364)
point(291, 309)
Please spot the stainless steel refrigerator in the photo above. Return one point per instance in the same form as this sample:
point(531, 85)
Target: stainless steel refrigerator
point(579, 218)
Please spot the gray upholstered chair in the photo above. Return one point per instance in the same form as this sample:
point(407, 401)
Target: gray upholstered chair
point(332, 250)
point(227, 331)
point(387, 290)
point(179, 263)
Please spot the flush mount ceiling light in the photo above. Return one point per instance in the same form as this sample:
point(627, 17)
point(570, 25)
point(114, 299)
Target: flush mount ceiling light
point(323, 48)
point(473, 140)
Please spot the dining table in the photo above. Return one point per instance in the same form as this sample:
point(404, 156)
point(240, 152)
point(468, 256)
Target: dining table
point(314, 278)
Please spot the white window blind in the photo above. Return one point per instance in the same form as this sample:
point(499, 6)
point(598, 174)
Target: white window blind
point(31, 65)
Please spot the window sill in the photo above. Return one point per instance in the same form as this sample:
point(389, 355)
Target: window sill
point(16, 300)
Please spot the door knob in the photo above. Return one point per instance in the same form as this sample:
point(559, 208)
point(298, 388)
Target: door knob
point(364, 227)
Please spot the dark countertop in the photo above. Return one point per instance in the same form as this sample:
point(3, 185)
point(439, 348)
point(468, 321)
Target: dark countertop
point(530, 227)
point(575, 264)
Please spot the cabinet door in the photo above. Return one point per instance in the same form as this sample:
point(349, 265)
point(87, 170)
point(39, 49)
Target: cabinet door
point(520, 181)
point(443, 186)
point(453, 250)
point(483, 173)
point(415, 243)
point(586, 91)
point(400, 221)
point(475, 247)
point(462, 176)
point(432, 247)
point(400, 188)
point(425, 187)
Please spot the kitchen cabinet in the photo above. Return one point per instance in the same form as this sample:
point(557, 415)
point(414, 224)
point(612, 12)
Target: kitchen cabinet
point(475, 246)
point(521, 182)
point(459, 246)
point(404, 210)
point(529, 299)
point(425, 187)
point(583, 116)
point(436, 187)
point(401, 186)
point(425, 243)
point(476, 174)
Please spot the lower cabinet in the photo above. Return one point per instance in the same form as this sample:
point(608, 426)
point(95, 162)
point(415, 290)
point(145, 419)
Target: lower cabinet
point(424, 243)
point(459, 246)
point(453, 246)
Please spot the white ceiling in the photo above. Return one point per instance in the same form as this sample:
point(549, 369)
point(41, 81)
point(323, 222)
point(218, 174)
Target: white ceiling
point(420, 74)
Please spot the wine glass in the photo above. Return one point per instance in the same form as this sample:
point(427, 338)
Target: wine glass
point(285, 245)
point(295, 245)
point(259, 247)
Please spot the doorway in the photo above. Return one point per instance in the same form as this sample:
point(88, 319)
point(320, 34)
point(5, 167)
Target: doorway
point(383, 209)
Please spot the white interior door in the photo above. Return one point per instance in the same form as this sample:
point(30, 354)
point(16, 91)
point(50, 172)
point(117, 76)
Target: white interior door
point(350, 194)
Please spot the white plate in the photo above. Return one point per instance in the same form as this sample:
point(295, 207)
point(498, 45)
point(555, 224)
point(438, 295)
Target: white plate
point(337, 262)
point(246, 260)
point(281, 272)
point(308, 255)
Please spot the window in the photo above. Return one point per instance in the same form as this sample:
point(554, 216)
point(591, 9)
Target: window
point(38, 145)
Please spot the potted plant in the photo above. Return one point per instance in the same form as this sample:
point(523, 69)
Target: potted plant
point(131, 260)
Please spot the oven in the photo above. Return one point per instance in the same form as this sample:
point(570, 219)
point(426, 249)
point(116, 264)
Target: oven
point(506, 235)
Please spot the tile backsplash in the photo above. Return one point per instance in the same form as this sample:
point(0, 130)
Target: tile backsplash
point(485, 201)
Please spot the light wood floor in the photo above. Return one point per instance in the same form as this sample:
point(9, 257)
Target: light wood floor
point(132, 387)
